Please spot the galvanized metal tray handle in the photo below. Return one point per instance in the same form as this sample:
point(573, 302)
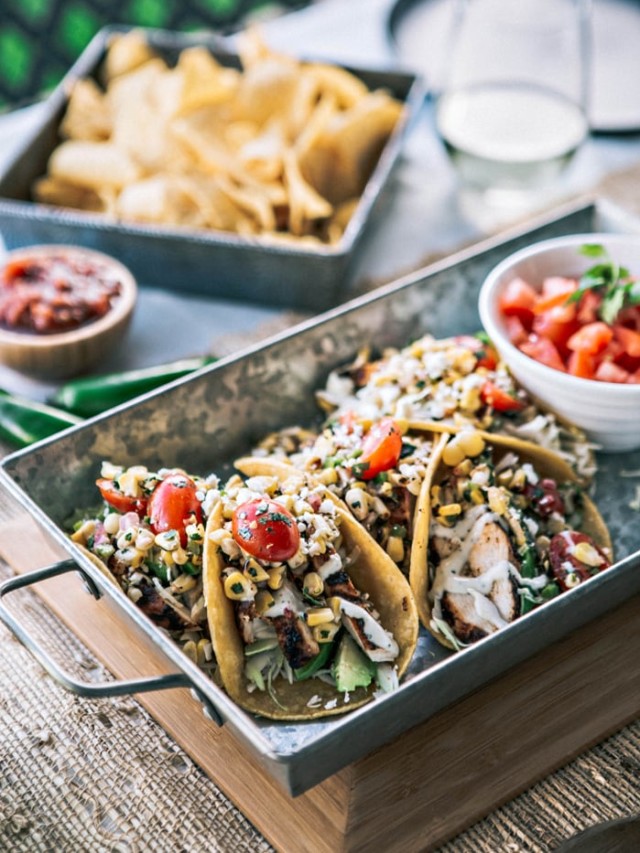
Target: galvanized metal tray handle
point(82, 688)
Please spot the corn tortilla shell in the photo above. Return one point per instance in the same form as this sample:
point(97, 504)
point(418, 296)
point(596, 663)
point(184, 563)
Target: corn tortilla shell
point(372, 572)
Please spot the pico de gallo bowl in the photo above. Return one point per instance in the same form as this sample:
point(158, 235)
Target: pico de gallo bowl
point(564, 314)
point(62, 308)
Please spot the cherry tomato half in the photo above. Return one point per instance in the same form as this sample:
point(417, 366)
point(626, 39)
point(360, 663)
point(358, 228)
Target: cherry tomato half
point(266, 530)
point(381, 449)
point(118, 500)
point(173, 503)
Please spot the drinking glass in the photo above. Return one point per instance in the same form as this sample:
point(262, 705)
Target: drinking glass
point(513, 106)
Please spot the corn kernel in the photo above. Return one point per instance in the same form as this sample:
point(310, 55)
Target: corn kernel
point(449, 510)
point(395, 548)
point(84, 531)
point(326, 632)
point(254, 571)
point(497, 500)
point(319, 616)
point(313, 584)
point(475, 494)
point(471, 443)
point(191, 651)
point(335, 603)
point(168, 540)
point(112, 523)
point(180, 557)
point(453, 454)
point(183, 583)
point(238, 588)
point(264, 600)
point(470, 400)
point(587, 554)
point(328, 476)
point(519, 480)
point(276, 577)
point(203, 648)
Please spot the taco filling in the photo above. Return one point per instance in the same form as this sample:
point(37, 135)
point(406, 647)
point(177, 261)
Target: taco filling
point(149, 534)
point(376, 470)
point(504, 536)
point(304, 637)
point(453, 383)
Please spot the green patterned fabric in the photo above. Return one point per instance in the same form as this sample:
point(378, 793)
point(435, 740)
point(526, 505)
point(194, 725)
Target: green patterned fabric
point(40, 39)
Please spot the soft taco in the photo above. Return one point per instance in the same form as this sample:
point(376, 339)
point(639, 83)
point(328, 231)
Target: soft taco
point(499, 531)
point(147, 536)
point(375, 470)
point(451, 384)
point(308, 616)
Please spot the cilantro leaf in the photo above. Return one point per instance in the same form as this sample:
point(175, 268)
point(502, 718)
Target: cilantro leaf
point(614, 282)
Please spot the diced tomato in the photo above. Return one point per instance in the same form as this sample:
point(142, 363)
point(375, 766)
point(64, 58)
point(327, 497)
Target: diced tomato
point(116, 498)
point(498, 399)
point(557, 325)
point(629, 339)
point(544, 351)
point(607, 371)
point(581, 363)
point(517, 300)
point(629, 317)
point(515, 330)
point(555, 292)
point(588, 306)
point(592, 338)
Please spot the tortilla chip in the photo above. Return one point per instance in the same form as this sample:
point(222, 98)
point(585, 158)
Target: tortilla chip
point(88, 114)
point(126, 52)
point(92, 165)
point(372, 573)
point(545, 462)
point(55, 191)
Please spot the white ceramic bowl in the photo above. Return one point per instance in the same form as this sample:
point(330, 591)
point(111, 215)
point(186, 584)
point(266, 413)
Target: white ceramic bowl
point(608, 412)
point(60, 355)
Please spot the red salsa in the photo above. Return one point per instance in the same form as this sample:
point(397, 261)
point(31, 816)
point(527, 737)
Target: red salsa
point(55, 293)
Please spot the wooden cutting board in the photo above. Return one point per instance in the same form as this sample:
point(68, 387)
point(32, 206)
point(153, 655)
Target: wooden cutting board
point(416, 792)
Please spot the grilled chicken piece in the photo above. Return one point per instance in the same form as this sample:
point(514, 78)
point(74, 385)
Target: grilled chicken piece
point(444, 547)
point(494, 547)
point(339, 583)
point(295, 639)
point(458, 610)
point(161, 611)
point(245, 614)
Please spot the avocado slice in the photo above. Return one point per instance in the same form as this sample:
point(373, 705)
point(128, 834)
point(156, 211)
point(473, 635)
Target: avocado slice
point(351, 667)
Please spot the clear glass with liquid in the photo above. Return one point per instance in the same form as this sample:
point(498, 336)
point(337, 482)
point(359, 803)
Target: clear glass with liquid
point(513, 109)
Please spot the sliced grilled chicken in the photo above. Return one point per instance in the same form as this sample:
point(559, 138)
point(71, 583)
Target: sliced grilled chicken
point(493, 547)
point(459, 611)
point(295, 639)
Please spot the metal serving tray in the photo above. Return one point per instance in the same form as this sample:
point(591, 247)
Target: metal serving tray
point(203, 422)
point(206, 262)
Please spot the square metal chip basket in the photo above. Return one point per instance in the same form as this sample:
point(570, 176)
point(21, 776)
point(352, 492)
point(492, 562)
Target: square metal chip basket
point(213, 263)
point(203, 422)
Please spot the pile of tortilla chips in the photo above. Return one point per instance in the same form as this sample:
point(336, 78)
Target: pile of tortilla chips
point(280, 149)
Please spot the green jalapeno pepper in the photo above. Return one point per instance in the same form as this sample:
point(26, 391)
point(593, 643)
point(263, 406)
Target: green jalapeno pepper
point(93, 395)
